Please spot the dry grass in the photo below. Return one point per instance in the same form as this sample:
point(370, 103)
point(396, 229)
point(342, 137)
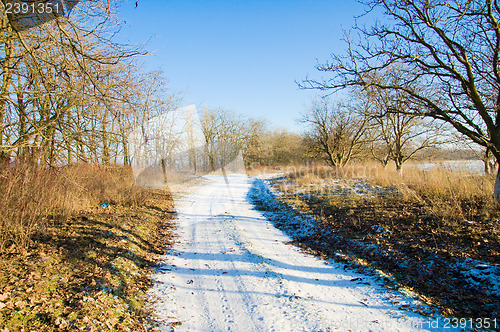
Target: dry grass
point(33, 197)
point(451, 195)
point(420, 223)
point(69, 263)
point(89, 273)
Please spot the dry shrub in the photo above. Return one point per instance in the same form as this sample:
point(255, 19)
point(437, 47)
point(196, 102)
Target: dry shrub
point(113, 185)
point(31, 196)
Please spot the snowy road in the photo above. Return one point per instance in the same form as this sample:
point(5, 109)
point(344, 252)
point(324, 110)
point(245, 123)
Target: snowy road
point(231, 270)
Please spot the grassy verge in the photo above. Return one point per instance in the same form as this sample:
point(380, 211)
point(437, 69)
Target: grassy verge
point(83, 261)
point(437, 233)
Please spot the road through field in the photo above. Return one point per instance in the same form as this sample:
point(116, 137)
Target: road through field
point(232, 270)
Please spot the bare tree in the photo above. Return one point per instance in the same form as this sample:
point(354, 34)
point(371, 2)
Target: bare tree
point(59, 86)
point(224, 136)
point(398, 134)
point(263, 146)
point(286, 147)
point(256, 144)
point(336, 133)
point(451, 48)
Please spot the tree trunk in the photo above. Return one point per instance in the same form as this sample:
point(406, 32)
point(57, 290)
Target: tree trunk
point(6, 80)
point(105, 138)
point(164, 170)
point(496, 191)
point(211, 161)
point(330, 158)
point(126, 158)
point(486, 160)
point(399, 169)
point(399, 164)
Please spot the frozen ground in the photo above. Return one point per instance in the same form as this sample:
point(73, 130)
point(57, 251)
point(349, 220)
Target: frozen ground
point(474, 166)
point(232, 270)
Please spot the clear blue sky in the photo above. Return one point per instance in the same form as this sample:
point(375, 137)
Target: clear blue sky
point(244, 56)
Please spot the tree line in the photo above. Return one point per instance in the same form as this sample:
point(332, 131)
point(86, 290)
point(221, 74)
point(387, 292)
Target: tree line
point(71, 93)
point(359, 128)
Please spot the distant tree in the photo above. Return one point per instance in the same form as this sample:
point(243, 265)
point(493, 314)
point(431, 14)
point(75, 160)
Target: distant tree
point(335, 133)
point(224, 136)
point(398, 135)
point(256, 144)
point(287, 147)
point(263, 146)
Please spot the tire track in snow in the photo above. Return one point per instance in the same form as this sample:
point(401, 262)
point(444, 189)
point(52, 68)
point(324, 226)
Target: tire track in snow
point(231, 270)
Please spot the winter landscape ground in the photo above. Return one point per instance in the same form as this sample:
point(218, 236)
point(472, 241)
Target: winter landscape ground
point(232, 269)
point(109, 108)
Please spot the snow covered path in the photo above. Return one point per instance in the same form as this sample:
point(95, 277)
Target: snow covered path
point(231, 270)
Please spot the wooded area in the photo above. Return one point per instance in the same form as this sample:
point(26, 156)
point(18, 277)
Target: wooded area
point(71, 93)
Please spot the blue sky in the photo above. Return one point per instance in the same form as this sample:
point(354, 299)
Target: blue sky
point(243, 56)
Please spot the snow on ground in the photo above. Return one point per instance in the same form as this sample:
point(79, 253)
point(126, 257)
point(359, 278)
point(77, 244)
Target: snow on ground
point(473, 166)
point(484, 276)
point(232, 270)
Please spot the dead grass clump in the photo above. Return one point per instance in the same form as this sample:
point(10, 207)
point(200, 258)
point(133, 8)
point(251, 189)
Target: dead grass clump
point(33, 196)
point(452, 195)
point(112, 185)
point(29, 196)
point(309, 178)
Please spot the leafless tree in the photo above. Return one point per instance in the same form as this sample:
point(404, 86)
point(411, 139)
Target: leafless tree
point(256, 144)
point(287, 147)
point(451, 48)
point(398, 134)
point(224, 136)
point(336, 133)
point(60, 83)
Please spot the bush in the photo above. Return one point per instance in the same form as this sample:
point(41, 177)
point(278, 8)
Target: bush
point(31, 196)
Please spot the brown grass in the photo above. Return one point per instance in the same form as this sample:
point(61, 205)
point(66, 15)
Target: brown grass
point(88, 273)
point(421, 225)
point(451, 195)
point(33, 197)
point(454, 195)
point(69, 263)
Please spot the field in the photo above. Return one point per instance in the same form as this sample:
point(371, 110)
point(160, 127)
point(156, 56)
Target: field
point(437, 232)
point(77, 246)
